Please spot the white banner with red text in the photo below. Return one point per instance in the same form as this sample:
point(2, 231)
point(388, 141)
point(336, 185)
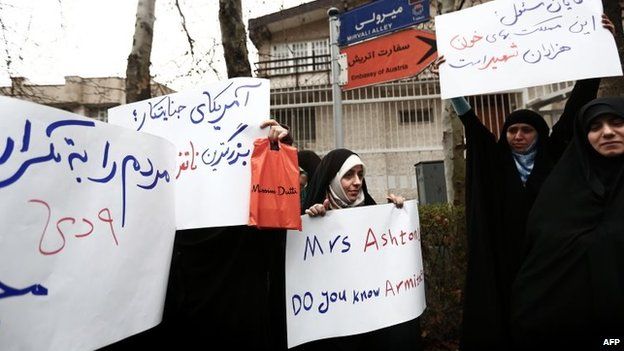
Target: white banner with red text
point(213, 129)
point(517, 44)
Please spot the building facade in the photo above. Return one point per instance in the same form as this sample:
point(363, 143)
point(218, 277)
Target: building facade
point(392, 126)
point(91, 97)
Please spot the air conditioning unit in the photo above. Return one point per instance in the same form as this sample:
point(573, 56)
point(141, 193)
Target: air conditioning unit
point(431, 183)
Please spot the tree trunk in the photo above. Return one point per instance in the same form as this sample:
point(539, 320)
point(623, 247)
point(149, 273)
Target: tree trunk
point(614, 86)
point(137, 72)
point(234, 39)
point(453, 144)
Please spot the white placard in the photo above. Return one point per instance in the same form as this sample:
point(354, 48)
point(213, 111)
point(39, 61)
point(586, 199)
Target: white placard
point(353, 271)
point(87, 227)
point(213, 130)
point(511, 44)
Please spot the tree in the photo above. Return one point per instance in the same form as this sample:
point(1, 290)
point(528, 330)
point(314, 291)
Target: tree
point(234, 38)
point(15, 37)
point(138, 70)
point(452, 137)
point(614, 86)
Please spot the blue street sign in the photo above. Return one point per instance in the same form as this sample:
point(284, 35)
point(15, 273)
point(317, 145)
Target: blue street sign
point(380, 17)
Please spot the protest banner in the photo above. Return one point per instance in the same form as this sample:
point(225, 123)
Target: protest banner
point(213, 130)
point(353, 271)
point(88, 223)
point(517, 44)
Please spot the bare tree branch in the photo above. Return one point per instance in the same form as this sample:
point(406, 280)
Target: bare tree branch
point(21, 48)
point(8, 61)
point(188, 36)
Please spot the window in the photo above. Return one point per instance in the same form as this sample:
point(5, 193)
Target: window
point(99, 113)
point(278, 54)
point(420, 115)
point(300, 56)
point(102, 115)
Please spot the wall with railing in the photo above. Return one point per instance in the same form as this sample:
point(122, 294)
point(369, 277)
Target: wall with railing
point(392, 126)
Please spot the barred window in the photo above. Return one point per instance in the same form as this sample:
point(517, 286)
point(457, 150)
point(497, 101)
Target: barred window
point(280, 52)
point(299, 56)
point(421, 115)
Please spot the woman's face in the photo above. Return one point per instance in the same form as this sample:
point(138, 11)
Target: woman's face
point(352, 182)
point(606, 135)
point(521, 136)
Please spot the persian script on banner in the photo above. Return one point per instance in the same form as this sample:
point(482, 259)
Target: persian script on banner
point(353, 271)
point(213, 130)
point(87, 227)
point(516, 44)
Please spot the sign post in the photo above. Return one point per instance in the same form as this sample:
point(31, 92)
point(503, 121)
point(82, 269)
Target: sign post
point(334, 24)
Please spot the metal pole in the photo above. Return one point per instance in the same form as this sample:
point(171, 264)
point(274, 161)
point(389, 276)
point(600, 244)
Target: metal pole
point(335, 70)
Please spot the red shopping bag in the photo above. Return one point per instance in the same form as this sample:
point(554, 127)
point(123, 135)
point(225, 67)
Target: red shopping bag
point(274, 186)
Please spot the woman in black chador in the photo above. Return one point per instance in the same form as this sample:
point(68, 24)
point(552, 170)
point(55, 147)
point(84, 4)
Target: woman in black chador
point(308, 162)
point(225, 289)
point(503, 179)
point(339, 183)
point(569, 291)
point(333, 167)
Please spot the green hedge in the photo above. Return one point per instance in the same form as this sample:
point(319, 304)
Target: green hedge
point(443, 240)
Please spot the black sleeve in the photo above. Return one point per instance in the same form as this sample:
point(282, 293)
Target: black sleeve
point(477, 135)
point(583, 92)
point(288, 139)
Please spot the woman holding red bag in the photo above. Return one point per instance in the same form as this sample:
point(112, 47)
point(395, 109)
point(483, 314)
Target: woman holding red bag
point(225, 287)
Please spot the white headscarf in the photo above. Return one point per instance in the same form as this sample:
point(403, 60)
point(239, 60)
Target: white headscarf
point(336, 194)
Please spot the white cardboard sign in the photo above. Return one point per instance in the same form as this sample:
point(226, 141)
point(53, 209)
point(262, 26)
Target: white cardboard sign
point(87, 228)
point(511, 44)
point(353, 271)
point(213, 130)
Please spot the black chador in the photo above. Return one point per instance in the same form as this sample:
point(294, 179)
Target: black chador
point(498, 201)
point(569, 292)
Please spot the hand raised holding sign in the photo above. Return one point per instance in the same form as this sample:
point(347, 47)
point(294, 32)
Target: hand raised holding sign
point(318, 209)
point(435, 65)
point(397, 200)
point(607, 24)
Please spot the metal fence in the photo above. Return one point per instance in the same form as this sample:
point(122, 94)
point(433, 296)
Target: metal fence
point(393, 117)
point(294, 65)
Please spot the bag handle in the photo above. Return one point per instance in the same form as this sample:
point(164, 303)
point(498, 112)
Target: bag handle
point(274, 145)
